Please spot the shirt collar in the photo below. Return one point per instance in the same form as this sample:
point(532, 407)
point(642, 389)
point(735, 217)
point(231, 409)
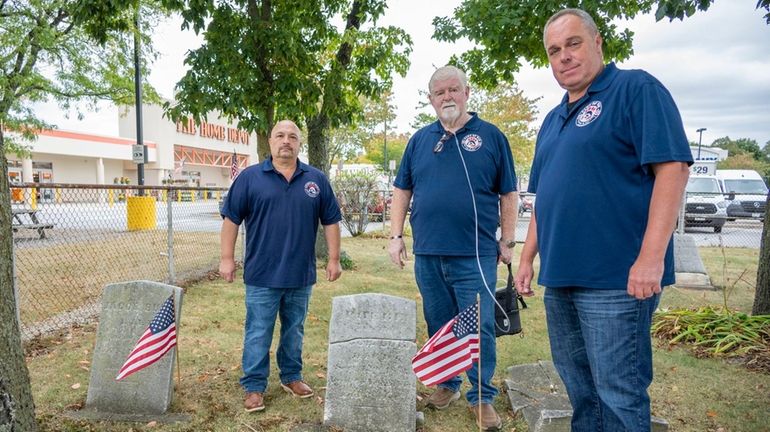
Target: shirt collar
point(471, 125)
point(601, 82)
point(268, 165)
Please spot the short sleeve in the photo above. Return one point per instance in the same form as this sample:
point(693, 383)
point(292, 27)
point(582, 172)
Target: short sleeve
point(236, 204)
point(656, 127)
point(404, 178)
point(330, 209)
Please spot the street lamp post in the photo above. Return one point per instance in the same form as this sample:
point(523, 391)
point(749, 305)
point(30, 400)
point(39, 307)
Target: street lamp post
point(700, 138)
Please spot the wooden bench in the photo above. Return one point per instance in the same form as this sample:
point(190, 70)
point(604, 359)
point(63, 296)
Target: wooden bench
point(35, 224)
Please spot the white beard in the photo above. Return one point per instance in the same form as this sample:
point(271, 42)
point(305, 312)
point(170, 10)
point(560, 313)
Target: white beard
point(449, 114)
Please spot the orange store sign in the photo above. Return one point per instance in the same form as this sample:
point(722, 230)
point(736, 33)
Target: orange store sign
point(214, 131)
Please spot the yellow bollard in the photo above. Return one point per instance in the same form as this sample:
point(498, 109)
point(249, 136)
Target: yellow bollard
point(110, 197)
point(33, 198)
point(58, 195)
point(164, 194)
point(178, 196)
point(141, 213)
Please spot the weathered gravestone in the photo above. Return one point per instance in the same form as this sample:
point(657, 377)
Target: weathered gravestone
point(537, 392)
point(689, 268)
point(127, 310)
point(370, 383)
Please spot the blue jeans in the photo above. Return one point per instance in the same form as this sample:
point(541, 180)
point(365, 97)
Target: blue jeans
point(601, 347)
point(262, 306)
point(448, 285)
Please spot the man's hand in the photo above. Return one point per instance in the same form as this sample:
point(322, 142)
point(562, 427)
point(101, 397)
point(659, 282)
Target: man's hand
point(333, 270)
point(506, 253)
point(523, 279)
point(644, 278)
point(227, 269)
point(397, 251)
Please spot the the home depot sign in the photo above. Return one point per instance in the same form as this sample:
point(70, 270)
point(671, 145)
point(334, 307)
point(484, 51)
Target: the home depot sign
point(214, 131)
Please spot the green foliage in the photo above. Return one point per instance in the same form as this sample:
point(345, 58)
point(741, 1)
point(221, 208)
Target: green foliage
point(288, 59)
point(49, 53)
point(716, 331)
point(508, 32)
point(506, 107)
point(346, 261)
point(744, 153)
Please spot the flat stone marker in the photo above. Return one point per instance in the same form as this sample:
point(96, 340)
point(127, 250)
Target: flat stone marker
point(127, 309)
point(370, 383)
point(537, 391)
point(689, 268)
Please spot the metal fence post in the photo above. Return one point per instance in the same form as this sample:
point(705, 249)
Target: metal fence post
point(243, 244)
point(15, 287)
point(170, 241)
point(682, 204)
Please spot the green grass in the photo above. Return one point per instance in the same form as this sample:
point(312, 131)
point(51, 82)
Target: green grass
point(692, 394)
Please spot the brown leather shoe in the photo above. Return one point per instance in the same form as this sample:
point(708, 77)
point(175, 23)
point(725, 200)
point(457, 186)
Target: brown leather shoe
point(489, 420)
point(299, 389)
point(254, 402)
point(441, 398)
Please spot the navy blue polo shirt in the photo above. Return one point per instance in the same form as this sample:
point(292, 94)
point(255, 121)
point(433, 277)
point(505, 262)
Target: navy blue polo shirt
point(593, 180)
point(442, 218)
point(281, 222)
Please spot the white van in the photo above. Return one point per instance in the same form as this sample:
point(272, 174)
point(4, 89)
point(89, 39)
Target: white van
point(747, 192)
point(705, 206)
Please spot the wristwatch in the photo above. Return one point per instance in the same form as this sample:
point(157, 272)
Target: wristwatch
point(508, 243)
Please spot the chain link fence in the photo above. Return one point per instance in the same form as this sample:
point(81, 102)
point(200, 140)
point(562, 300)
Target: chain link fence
point(72, 240)
point(715, 219)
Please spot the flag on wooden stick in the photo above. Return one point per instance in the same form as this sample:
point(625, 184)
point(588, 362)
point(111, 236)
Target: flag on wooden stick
point(156, 341)
point(450, 351)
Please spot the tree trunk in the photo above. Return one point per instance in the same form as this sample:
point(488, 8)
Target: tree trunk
point(317, 144)
point(263, 147)
point(17, 410)
point(762, 295)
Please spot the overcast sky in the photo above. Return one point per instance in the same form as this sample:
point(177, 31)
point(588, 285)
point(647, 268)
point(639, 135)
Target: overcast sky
point(716, 65)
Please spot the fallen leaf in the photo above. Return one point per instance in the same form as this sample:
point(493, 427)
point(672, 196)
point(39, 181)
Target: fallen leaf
point(151, 424)
point(84, 362)
point(75, 386)
point(320, 375)
point(711, 413)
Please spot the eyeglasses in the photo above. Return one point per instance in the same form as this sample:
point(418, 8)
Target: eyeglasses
point(439, 147)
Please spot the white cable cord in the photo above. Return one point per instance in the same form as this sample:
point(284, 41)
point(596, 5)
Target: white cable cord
point(476, 220)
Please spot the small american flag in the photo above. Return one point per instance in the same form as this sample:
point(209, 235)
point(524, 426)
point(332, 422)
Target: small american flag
point(450, 351)
point(234, 167)
point(156, 341)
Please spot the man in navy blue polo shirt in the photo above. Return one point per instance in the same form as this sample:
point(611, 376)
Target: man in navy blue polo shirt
point(457, 170)
point(281, 200)
point(610, 168)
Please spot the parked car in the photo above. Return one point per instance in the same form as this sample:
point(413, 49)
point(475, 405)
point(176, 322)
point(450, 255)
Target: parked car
point(526, 203)
point(746, 192)
point(705, 205)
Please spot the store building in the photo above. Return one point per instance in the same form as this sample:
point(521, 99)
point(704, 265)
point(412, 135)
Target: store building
point(184, 153)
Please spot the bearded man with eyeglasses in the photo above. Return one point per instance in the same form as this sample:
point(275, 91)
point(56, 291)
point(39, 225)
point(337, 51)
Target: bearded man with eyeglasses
point(459, 174)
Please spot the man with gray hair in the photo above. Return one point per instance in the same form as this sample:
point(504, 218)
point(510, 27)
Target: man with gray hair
point(615, 142)
point(458, 171)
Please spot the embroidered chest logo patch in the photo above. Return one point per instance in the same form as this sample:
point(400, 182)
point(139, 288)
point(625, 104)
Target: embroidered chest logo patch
point(471, 142)
point(311, 189)
point(589, 113)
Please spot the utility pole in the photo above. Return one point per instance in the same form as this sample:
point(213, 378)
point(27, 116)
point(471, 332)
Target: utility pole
point(138, 91)
point(700, 137)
